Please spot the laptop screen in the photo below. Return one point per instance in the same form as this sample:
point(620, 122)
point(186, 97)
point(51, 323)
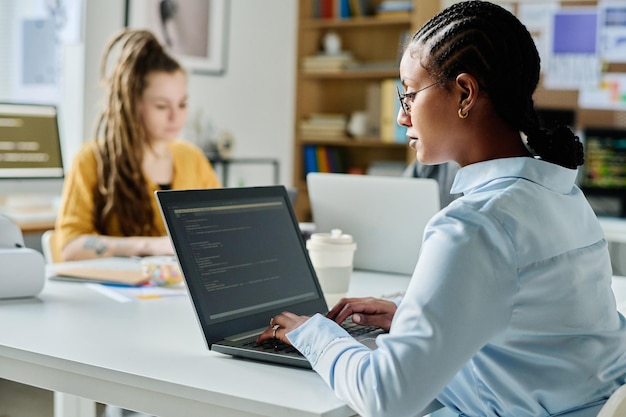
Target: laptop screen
point(242, 256)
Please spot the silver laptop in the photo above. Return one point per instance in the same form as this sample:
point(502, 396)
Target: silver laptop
point(385, 215)
point(244, 261)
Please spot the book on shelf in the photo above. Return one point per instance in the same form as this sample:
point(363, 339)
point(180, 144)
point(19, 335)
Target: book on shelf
point(343, 9)
point(390, 130)
point(318, 158)
point(310, 159)
point(327, 62)
point(327, 118)
point(332, 9)
point(361, 8)
point(323, 125)
point(395, 6)
point(323, 164)
point(372, 66)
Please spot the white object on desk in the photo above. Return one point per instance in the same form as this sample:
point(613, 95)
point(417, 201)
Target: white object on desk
point(23, 269)
point(22, 273)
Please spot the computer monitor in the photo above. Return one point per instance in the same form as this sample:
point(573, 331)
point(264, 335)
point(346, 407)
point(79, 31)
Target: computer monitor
point(30, 149)
point(30, 146)
point(603, 178)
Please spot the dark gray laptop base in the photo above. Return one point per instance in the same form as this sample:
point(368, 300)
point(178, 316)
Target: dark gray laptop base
point(244, 261)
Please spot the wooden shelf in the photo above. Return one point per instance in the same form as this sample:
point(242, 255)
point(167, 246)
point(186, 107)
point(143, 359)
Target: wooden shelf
point(354, 22)
point(349, 74)
point(354, 143)
point(375, 44)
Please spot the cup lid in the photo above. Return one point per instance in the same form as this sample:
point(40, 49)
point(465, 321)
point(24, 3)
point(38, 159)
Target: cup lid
point(335, 237)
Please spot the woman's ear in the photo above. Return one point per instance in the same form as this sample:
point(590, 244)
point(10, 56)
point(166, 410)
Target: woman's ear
point(467, 88)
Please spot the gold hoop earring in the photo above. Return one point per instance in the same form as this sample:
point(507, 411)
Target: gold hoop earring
point(463, 115)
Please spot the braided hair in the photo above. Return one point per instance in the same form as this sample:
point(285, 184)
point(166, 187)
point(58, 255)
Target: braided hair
point(120, 134)
point(488, 42)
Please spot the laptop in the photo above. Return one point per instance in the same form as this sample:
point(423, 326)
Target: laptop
point(244, 261)
point(292, 192)
point(386, 216)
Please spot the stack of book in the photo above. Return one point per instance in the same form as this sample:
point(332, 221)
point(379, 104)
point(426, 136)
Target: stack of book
point(394, 8)
point(324, 126)
point(327, 62)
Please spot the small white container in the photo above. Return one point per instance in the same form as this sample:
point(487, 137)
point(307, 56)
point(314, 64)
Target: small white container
point(332, 256)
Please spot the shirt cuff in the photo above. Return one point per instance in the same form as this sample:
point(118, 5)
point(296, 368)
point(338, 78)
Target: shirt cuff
point(314, 335)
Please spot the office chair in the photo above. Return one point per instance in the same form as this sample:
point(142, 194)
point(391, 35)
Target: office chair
point(48, 247)
point(616, 404)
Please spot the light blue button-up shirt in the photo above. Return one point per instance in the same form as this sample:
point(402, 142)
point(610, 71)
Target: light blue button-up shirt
point(509, 311)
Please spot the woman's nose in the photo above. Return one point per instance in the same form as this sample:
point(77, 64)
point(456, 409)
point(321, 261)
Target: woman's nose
point(403, 119)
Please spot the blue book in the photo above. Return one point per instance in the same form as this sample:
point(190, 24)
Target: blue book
point(344, 9)
point(310, 159)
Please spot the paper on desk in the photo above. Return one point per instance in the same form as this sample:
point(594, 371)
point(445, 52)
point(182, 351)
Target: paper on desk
point(124, 294)
point(102, 275)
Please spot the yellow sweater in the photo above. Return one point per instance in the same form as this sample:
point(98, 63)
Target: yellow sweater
point(76, 214)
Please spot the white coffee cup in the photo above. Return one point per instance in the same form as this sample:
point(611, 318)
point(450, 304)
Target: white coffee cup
point(332, 256)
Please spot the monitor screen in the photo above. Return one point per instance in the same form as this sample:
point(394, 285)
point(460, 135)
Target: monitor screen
point(604, 171)
point(30, 146)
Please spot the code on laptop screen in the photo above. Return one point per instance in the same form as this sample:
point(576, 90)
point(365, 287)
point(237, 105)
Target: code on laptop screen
point(242, 257)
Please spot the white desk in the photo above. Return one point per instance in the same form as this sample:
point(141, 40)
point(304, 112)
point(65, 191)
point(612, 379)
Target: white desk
point(150, 356)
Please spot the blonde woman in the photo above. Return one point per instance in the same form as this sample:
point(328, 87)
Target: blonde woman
point(108, 206)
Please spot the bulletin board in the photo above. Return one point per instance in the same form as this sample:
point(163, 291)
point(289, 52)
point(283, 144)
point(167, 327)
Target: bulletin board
point(582, 45)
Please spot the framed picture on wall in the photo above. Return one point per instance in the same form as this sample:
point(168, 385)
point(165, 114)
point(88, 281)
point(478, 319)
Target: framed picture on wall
point(193, 31)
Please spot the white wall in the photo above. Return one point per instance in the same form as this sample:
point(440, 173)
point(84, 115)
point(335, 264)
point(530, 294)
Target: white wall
point(253, 99)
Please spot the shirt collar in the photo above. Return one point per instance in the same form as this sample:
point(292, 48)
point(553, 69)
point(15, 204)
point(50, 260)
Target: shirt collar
point(546, 174)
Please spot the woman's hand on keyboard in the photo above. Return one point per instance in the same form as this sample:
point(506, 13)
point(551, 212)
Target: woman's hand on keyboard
point(280, 325)
point(364, 311)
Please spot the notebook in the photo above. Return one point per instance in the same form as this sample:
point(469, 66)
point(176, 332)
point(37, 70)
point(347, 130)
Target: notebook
point(386, 216)
point(244, 261)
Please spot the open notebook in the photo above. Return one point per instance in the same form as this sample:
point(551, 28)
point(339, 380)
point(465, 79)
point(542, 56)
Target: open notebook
point(244, 261)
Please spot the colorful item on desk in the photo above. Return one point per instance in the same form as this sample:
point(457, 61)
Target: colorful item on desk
point(161, 270)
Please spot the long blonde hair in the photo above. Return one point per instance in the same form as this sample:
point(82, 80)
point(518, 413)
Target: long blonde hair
point(120, 134)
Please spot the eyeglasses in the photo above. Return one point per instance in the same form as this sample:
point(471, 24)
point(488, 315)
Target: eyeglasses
point(407, 99)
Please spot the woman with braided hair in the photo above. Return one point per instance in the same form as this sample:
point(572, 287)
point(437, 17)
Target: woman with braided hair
point(108, 205)
point(510, 310)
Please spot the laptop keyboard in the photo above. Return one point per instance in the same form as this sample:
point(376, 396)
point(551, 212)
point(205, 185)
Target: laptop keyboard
point(276, 345)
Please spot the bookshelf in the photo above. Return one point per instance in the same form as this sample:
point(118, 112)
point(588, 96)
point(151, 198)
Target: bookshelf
point(373, 45)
